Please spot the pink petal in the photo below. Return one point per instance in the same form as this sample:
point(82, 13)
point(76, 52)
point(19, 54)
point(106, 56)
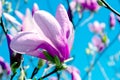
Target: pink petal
point(11, 19)
point(35, 8)
point(76, 76)
point(96, 40)
point(37, 53)
point(112, 20)
point(30, 43)
point(0, 8)
point(52, 30)
point(63, 19)
point(19, 14)
point(73, 5)
point(25, 42)
point(29, 24)
point(48, 25)
point(70, 40)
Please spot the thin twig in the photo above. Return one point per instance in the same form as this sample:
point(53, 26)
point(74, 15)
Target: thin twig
point(49, 74)
point(110, 8)
point(101, 54)
point(35, 71)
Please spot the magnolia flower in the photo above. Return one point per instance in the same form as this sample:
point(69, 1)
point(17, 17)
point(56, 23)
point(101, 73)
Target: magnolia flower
point(112, 20)
point(5, 66)
point(53, 78)
point(96, 27)
point(91, 5)
point(74, 73)
point(43, 32)
point(97, 42)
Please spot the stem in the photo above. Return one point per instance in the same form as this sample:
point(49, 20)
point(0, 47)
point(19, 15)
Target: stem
point(58, 76)
point(103, 71)
point(103, 52)
point(87, 20)
point(110, 8)
point(49, 74)
point(3, 28)
point(70, 14)
point(13, 76)
point(35, 71)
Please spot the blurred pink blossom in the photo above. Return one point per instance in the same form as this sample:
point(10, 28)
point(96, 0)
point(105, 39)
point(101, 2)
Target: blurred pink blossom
point(53, 78)
point(97, 42)
point(5, 66)
point(74, 72)
point(96, 27)
point(112, 20)
point(91, 5)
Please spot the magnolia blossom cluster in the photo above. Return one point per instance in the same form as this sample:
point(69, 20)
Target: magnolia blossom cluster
point(4, 67)
point(112, 20)
point(81, 5)
point(99, 40)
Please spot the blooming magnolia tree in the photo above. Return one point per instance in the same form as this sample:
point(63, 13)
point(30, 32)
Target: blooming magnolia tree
point(42, 46)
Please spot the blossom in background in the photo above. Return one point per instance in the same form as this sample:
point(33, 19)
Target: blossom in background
point(43, 33)
point(112, 20)
point(14, 57)
point(4, 66)
point(24, 17)
point(74, 72)
point(53, 78)
point(35, 8)
point(96, 27)
point(118, 18)
point(98, 44)
point(99, 40)
point(81, 5)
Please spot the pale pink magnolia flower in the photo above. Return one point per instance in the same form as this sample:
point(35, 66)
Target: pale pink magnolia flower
point(43, 32)
point(112, 20)
point(96, 27)
point(74, 72)
point(97, 42)
point(91, 5)
point(5, 66)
